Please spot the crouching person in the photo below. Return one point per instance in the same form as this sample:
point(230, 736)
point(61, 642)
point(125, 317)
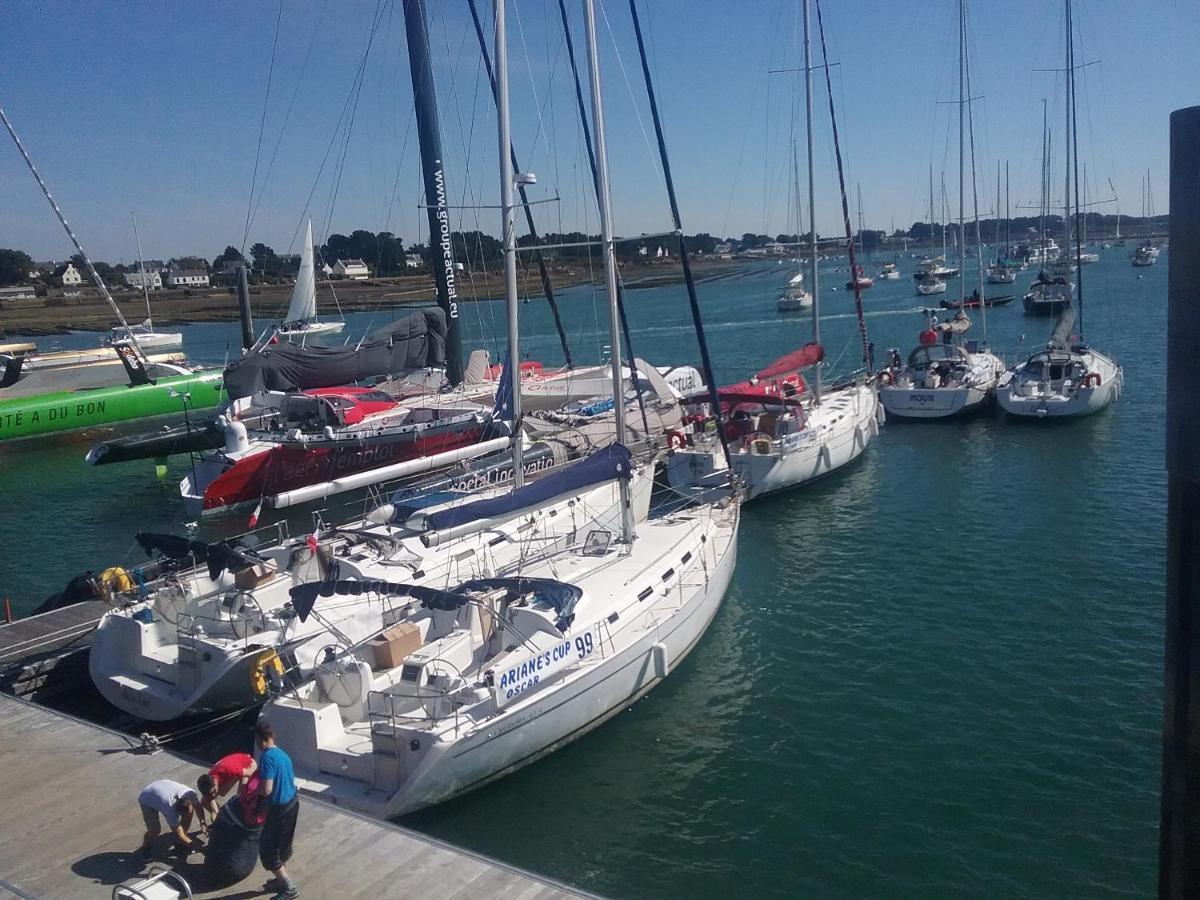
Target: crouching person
point(278, 788)
point(174, 802)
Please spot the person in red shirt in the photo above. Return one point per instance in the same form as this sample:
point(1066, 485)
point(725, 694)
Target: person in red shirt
point(234, 769)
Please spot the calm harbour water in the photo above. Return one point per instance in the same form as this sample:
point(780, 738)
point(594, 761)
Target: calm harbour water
point(936, 674)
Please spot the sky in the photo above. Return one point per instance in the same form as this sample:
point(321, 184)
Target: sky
point(200, 117)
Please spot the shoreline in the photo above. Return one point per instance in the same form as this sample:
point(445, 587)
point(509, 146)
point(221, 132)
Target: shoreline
point(34, 318)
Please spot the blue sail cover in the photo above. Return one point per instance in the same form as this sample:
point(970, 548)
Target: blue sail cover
point(561, 596)
point(614, 461)
point(304, 596)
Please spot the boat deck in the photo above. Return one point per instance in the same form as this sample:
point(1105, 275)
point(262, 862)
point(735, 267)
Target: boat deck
point(72, 827)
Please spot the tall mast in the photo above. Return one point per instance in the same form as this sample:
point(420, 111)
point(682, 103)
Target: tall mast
point(931, 214)
point(962, 195)
point(1007, 217)
point(96, 279)
point(1043, 201)
point(509, 236)
point(610, 260)
point(998, 211)
point(429, 136)
point(1066, 251)
point(1074, 122)
point(945, 216)
point(812, 206)
point(962, 14)
point(799, 207)
point(142, 269)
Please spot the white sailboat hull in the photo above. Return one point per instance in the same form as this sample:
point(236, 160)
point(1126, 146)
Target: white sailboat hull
point(1054, 401)
point(312, 329)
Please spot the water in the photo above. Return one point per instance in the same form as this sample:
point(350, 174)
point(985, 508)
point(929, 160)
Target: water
point(936, 674)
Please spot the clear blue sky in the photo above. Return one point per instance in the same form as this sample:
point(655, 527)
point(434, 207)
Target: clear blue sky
point(154, 107)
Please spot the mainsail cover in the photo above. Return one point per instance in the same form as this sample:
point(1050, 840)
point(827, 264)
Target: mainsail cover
point(415, 342)
point(614, 461)
point(1061, 338)
point(303, 305)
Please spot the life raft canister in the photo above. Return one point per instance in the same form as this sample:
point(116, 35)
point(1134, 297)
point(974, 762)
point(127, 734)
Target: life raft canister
point(267, 663)
point(115, 580)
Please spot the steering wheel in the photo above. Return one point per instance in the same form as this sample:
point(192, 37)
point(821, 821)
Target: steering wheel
point(241, 612)
point(427, 697)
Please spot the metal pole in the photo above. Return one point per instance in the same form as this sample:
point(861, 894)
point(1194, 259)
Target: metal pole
point(509, 234)
point(604, 197)
point(243, 295)
point(142, 269)
point(429, 137)
point(962, 198)
point(812, 207)
point(1066, 250)
point(1179, 829)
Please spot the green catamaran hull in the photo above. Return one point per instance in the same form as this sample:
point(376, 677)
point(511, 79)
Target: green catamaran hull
point(43, 414)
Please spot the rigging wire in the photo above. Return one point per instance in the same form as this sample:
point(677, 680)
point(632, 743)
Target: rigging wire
point(262, 127)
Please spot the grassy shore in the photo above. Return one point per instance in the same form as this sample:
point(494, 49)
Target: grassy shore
point(88, 312)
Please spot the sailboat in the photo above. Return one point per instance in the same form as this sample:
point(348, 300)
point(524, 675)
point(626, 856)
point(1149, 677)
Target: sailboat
point(483, 674)
point(783, 431)
point(1067, 378)
point(147, 337)
point(946, 374)
point(1001, 271)
point(931, 272)
point(1145, 254)
point(860, 278)
point(301, 319)
point(795, 297)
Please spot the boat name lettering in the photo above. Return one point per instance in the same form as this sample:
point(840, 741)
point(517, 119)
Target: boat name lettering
point(52, 414)
point(921, 398)
point(499, 475)
point(533, 670)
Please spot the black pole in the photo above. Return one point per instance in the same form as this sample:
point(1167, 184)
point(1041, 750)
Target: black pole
point(693, 300)
point(1179, 829)
point(243, 295)
point(587, 139)
point(543, 272)
point(429, 135)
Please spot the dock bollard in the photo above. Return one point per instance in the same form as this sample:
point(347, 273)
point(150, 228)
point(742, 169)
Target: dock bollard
point(1179, 830)
point(7, 612)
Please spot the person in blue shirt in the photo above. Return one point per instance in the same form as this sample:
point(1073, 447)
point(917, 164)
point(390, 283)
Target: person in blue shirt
point(278, 788)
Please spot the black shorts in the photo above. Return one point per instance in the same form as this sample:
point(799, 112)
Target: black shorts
point(279, 830)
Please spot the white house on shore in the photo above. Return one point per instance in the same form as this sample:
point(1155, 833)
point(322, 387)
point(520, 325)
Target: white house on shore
point(413, 261)
point(351, 268)
point(187, 278)
point(68, 275)
point(153, 280)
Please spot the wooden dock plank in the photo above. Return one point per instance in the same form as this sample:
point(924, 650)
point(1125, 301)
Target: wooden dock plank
point(72, 827)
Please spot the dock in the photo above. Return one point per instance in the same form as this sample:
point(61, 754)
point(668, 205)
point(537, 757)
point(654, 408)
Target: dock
point(71, 827)
point(44, 656)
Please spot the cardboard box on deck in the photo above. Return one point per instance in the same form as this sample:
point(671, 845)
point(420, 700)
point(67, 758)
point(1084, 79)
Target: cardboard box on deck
point(250, 578)
point(390, 647)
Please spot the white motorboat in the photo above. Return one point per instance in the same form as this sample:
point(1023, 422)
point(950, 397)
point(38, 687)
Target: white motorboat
point(301, 319)
point(944, 376)
point(794, 297)
point(1048, 295)
point(1143, 256)
point(889, 272)
point(930, 284)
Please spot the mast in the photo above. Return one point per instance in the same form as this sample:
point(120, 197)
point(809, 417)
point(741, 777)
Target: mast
point(430, 139)
point(543, 271)
point(509, 236)
point(799, 208)
point(1066, 250)
point(1007, 217)
point(962, 10)
point(998, 211)
point(142, 269)
point(945, 216)
point(812, 206)
point(1074, 144)
point(1042, 188)
point(931, 215)
point(604, 197)
point(96, 279)
point(962, 198)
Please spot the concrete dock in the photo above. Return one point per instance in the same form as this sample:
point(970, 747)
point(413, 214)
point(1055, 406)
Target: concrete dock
point(70, 827)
